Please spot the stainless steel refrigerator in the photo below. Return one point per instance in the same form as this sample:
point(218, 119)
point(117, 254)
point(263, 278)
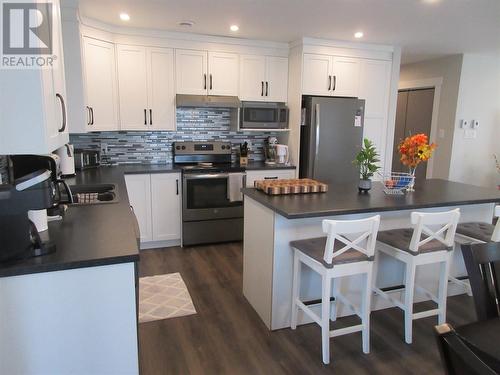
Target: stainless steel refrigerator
point(331, 134)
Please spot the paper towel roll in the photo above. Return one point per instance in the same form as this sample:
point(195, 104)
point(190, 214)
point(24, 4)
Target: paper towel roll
point(39, 218)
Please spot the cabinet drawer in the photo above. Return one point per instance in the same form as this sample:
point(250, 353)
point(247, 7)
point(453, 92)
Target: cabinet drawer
point(278, 174)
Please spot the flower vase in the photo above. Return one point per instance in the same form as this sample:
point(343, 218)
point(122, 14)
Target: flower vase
point(411, 185)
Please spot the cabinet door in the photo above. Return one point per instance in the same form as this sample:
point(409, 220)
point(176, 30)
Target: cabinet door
point(345, 73)
point(100, 84)
point(277, 79)
point(166, 206)
point(223, 77)
point(161, 88)
point(132, 87)
point(316, 77)
point(191, 72)
point(139, 195)
point(374, 81)
point(275, 174)
point(252, 77)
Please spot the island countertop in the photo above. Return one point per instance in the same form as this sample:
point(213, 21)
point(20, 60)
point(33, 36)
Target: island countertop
point(345, 199)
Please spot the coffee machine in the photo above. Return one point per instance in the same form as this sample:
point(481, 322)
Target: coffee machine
point(19, 237)
point(270, 150)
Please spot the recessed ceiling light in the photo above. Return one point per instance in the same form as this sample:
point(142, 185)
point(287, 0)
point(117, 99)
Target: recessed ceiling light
point(186, 23)
point(358, 34)
point(124, 17)
point(234, 28)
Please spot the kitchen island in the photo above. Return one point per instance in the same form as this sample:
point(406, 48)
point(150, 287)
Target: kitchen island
point(271, 222)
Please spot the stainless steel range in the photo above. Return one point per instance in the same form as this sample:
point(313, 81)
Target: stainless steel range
point(212, 203)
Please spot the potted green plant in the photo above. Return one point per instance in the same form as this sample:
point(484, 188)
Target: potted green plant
point(366, 160)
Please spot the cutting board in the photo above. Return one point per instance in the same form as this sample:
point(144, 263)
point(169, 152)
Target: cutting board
point(291, 186)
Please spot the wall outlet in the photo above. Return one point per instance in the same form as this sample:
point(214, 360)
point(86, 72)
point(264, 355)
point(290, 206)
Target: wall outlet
point(474, 124)
point(104, 148)
point(464, 124)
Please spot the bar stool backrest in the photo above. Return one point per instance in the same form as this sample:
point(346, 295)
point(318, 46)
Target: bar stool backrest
point(425, 222)
point(337, 230)
point(495, 237)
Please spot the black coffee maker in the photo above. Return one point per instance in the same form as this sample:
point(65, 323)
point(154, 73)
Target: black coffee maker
point(19, 237)
point(25, 164)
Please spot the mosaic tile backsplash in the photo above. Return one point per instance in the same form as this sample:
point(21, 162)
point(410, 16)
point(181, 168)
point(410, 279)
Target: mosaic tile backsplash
point(194, 124)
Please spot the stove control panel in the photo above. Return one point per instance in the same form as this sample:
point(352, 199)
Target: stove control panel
point(201, 148)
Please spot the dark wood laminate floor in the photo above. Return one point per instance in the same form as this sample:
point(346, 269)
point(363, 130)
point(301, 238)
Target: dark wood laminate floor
point(228, 337)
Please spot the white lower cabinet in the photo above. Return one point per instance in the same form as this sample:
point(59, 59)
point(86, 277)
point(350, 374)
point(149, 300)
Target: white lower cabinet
point(156, 201)
point(166, 206)
point(275, 174)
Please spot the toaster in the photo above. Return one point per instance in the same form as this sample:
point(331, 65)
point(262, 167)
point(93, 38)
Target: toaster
point(85, 159)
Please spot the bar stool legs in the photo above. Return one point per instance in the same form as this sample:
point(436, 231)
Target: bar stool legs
point(408, 301)
point(325, 318)
point(366, 309)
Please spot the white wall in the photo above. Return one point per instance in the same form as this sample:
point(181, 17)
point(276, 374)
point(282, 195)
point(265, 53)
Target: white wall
point(479, 99)
point(448, 69)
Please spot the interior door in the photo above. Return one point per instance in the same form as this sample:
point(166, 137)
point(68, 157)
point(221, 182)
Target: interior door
point(100, 84)
point(191, 72)
point(133, 88)
point(346, 72)
point(161, 88)
point(316, 78)
point(413, 116)
point(223, 77)
point(277, 79)
point(252, 77)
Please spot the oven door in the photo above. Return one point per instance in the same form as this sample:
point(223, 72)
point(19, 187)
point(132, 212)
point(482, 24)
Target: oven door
point(205, 197)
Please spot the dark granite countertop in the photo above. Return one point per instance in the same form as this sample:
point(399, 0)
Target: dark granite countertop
point(95, 235)
point(345, 199)
point(260, 165)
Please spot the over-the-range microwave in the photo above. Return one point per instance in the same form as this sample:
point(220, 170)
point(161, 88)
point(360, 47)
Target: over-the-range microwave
point(259, 115)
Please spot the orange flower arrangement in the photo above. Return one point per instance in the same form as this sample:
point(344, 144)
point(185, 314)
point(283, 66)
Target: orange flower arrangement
point(415, 149)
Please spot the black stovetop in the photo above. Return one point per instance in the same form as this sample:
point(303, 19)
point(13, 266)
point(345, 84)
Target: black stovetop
point(211, 168)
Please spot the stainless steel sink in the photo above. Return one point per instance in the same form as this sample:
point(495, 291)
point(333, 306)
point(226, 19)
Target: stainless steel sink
point(94, 194)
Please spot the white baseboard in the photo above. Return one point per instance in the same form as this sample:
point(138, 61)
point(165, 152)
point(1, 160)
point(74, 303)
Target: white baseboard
point(158, 244)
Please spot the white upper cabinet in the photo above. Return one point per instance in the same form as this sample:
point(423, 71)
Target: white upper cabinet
point(252, 77)
point(146, 88)
point(161, 88)
point(277, 79)
point(202, 72)
point(345, 76)
point(223, 73)
point(33, 112)
point(101, 93)
point(374, 81)
point(263, 78)
point(133, 89)
point(317, 76)
point(327, 75)
point(191, 72)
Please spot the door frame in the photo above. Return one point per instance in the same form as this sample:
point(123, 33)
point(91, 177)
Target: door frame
point(428, 83)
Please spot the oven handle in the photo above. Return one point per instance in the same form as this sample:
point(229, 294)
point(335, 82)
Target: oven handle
point(204, 176)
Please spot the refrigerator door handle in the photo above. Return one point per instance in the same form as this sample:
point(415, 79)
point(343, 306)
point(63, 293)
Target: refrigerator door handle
point(317, 124)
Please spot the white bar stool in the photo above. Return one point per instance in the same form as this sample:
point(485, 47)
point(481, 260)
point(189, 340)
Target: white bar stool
point(333, 257)
point(476, 232)
point(429, 242)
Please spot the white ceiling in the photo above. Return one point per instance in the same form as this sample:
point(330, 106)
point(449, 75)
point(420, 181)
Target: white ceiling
point(424, 28)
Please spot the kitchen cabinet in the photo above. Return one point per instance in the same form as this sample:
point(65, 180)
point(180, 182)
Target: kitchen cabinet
point(33, 113)
point(206, 73)
point(146, 88)
point(374, 81)
point(156, 201)
point(139, 194)
point(328, 75)
point(263, 78)
point(166, 206)
point(274, 174)
point(101, 91)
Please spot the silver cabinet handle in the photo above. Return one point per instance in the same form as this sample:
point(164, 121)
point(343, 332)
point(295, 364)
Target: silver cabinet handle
point(63, 110)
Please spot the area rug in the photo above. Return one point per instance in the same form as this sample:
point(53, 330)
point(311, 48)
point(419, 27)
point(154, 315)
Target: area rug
point(162, 297)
